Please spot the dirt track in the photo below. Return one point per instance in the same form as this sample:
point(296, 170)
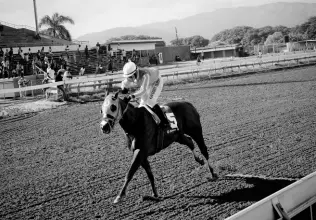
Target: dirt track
point(57, 164)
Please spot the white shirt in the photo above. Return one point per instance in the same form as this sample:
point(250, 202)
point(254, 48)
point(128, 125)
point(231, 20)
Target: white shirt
point(81, 71)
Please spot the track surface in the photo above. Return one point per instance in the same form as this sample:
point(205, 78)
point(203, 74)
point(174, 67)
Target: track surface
point(57, 164)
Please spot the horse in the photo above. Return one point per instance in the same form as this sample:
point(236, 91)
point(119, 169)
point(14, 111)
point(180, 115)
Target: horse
point(141, 132)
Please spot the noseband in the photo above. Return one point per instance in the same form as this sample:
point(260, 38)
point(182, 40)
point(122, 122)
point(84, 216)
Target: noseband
point(111, 120)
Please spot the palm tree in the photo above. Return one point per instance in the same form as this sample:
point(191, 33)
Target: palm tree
point(55, 26)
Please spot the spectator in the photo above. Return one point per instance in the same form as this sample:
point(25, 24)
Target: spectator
point(7, 64)
point(5, 73)
point(198, 60)
point(10, 54)
point(82, 70)
point(67, 74)
point(20, 51)
point(67, 50)
point(98, 48)
point(50, 52)
point(50, 73)
point(22, 83)
point(18, 68)
point(6, 53)
point(23, 65)
point(86, 50)
point(30, 54)
point(38, 55)
point(58, 78)
point(34, 67)
point(124, 55)
point(14, 73)
point(98, 69)
point(1, 55)
point(202, 55)
point(26, 57)
point(46, 59)
point(22, 70)
point(78, 51)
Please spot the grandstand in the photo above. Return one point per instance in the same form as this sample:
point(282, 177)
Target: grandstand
point(25, 38)
point(22, 46)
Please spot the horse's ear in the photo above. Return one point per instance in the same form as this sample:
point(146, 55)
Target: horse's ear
point(116, 94)
point(107, 92)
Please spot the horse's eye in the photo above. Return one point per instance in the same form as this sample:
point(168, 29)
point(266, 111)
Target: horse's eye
point(101, 111)
point(113, 108)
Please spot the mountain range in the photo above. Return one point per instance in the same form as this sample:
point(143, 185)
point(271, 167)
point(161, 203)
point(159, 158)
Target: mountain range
point(209, 23)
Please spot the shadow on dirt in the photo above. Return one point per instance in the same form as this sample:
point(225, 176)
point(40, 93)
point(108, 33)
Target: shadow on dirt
point(259, 189)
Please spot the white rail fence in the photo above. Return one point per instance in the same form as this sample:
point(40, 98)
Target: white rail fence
point(211, 72)
point(287, 203)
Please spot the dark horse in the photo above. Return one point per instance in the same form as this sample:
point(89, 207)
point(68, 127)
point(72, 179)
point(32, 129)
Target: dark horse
point(141, 131)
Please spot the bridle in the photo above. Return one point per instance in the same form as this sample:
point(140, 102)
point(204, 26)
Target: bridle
point(111, 120)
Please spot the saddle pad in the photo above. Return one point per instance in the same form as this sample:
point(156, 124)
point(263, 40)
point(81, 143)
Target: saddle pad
point(171, 117)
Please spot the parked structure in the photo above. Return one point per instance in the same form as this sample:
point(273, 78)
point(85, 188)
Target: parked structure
point(145, 49)
point(301, 45)
point(235, 50)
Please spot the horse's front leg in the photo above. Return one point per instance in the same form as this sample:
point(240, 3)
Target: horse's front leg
point(133, 168)
point(146, 166)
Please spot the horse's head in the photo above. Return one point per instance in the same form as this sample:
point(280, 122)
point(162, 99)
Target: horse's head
point(111, 112)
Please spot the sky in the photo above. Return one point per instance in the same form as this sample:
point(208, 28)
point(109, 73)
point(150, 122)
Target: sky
point(98, 15)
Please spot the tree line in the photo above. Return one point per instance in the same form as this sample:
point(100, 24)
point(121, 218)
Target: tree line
point(250, 36)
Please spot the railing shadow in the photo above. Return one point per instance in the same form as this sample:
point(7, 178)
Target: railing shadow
point(260, 188)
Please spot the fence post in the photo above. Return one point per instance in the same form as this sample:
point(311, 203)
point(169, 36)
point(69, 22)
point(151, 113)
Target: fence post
point(78, 90)
point(32, 89)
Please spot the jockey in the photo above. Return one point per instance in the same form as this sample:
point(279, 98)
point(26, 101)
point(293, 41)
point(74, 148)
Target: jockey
point(150, 83)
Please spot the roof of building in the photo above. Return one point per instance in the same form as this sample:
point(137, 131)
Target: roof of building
point(136, 41)
point(219, 48)
point(304, 41)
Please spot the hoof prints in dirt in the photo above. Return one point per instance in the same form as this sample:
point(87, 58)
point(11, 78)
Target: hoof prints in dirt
point(59, 165)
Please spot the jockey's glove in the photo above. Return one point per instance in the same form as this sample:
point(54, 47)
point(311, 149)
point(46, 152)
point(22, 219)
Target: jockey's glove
point(128, 98)
point(131, 97)
point(124, 91)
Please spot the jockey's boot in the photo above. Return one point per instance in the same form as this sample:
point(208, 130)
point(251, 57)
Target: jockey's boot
point(164, 123)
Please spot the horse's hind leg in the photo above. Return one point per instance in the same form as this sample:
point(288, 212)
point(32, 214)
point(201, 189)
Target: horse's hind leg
point(198, 138)
point(188, 141)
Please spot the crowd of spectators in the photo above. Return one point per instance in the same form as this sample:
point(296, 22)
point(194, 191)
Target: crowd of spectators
point(27, 63)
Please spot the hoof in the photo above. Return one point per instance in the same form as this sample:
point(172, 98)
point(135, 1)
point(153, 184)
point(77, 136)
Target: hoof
point(214, 177)
point(200, 161)
point(117, 200)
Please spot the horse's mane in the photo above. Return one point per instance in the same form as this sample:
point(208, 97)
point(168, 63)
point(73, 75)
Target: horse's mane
point(133, 119)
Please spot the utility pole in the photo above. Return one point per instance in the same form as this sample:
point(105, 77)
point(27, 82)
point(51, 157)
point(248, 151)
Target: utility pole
point(35, 13)
point(177, 36)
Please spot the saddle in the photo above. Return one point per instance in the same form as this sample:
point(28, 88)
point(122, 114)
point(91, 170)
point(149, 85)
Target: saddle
point(167, 114)
point(172, 125)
